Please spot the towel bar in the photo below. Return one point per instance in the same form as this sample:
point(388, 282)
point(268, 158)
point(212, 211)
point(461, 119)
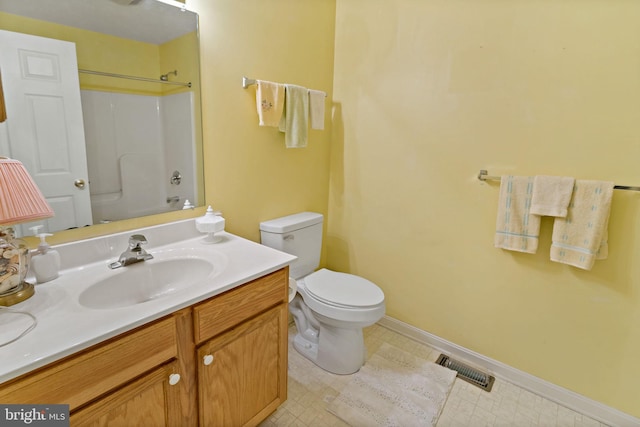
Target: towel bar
point(246, 82)
point(483, 176)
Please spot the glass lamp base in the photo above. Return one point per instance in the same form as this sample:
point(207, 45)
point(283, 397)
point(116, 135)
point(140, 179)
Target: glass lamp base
point(23, 291)
point(14, 263)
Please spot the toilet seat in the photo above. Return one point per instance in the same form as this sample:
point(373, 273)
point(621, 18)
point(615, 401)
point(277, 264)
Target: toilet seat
point(342, 290)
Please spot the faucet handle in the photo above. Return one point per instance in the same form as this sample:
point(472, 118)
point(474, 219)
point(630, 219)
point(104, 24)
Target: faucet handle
point(136, 240)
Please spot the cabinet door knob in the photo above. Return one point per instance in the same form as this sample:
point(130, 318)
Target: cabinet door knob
point(174, 379)
point(208, 359)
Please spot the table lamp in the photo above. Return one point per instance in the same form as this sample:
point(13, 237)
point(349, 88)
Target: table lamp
point(20, 201)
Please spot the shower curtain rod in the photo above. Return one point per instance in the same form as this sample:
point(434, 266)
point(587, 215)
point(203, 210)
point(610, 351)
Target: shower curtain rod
point(482, 176)
point(124, 76)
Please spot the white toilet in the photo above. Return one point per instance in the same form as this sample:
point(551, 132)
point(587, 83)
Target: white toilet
point(330, 308)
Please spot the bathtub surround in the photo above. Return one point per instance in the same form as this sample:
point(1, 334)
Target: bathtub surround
point(134, 145)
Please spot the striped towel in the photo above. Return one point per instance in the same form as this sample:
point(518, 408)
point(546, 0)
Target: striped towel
point(581, 237)
point(516, 228)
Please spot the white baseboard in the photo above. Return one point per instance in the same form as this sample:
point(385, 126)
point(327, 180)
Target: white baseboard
point(561, 396)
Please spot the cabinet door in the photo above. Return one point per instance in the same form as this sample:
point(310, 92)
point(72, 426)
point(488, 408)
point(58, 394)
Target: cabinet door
point(242, 374)
point(147, 401)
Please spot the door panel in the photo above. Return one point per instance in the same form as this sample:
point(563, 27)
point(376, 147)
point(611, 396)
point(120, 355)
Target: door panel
point(44, 127)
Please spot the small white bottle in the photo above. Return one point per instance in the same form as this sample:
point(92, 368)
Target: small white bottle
point(45, 261)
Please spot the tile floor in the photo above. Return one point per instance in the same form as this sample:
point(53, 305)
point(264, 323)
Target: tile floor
point(310, 388)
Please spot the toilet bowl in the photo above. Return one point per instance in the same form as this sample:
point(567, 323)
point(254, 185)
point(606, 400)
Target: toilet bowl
point(329, 308)
point(330, 321)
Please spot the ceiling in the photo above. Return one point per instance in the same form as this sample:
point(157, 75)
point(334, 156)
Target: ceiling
point(149, 21)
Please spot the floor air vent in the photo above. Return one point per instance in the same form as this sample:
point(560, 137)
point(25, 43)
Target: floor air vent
point(467, 373)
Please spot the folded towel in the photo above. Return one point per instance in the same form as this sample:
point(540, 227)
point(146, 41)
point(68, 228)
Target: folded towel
point(551, 195)
point(316, 109)
point(295, 117)
point(581, 237)
point(516, 228)
point(270, 102)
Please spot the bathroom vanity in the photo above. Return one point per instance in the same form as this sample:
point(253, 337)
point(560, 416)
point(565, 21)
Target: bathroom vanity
point(210, 354)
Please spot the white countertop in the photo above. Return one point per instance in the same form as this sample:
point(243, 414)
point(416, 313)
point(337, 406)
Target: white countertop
point(64, 326)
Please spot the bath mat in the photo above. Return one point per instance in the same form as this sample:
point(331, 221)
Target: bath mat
point(394, 388)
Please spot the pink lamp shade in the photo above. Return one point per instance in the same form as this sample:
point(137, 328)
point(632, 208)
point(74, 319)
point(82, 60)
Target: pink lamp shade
point(20, 198)
point(20, 201)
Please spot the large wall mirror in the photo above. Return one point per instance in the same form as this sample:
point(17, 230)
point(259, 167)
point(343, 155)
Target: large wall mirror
point(103, 106)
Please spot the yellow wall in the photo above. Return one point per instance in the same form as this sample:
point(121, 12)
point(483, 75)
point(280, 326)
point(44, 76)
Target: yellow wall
point(249, 174)
point(428, 92)
point(181, 55)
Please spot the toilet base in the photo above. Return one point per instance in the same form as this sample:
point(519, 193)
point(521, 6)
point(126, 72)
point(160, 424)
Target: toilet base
point(305, 347)
point(338, 350)
point(334, 345)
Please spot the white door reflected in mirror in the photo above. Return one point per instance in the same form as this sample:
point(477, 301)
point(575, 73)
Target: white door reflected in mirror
point(44, 123)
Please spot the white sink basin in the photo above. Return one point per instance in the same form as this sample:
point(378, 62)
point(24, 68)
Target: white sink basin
point(146, 281)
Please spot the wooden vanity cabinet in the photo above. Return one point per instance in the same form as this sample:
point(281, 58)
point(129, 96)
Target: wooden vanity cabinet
point(89, 375)
point(242, 352)
point(229, 354)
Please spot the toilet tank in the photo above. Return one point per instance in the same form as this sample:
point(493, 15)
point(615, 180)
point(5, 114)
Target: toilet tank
point(298, 234)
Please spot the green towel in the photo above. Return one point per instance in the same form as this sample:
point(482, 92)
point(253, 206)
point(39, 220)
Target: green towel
point(295, 117)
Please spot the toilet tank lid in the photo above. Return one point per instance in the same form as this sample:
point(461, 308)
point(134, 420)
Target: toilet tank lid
point(290, 223)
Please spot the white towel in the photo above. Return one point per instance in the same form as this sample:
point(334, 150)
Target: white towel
point(269, 102)
point(581, 237)
point(551, 195)
point(516, 228)
point(316, 109)
point(295, 118)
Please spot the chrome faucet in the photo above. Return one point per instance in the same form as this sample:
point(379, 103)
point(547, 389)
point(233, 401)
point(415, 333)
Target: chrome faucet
point(134, 253)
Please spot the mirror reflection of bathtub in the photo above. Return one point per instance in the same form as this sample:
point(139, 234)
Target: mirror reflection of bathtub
point(134, 179)
point(136, 133)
